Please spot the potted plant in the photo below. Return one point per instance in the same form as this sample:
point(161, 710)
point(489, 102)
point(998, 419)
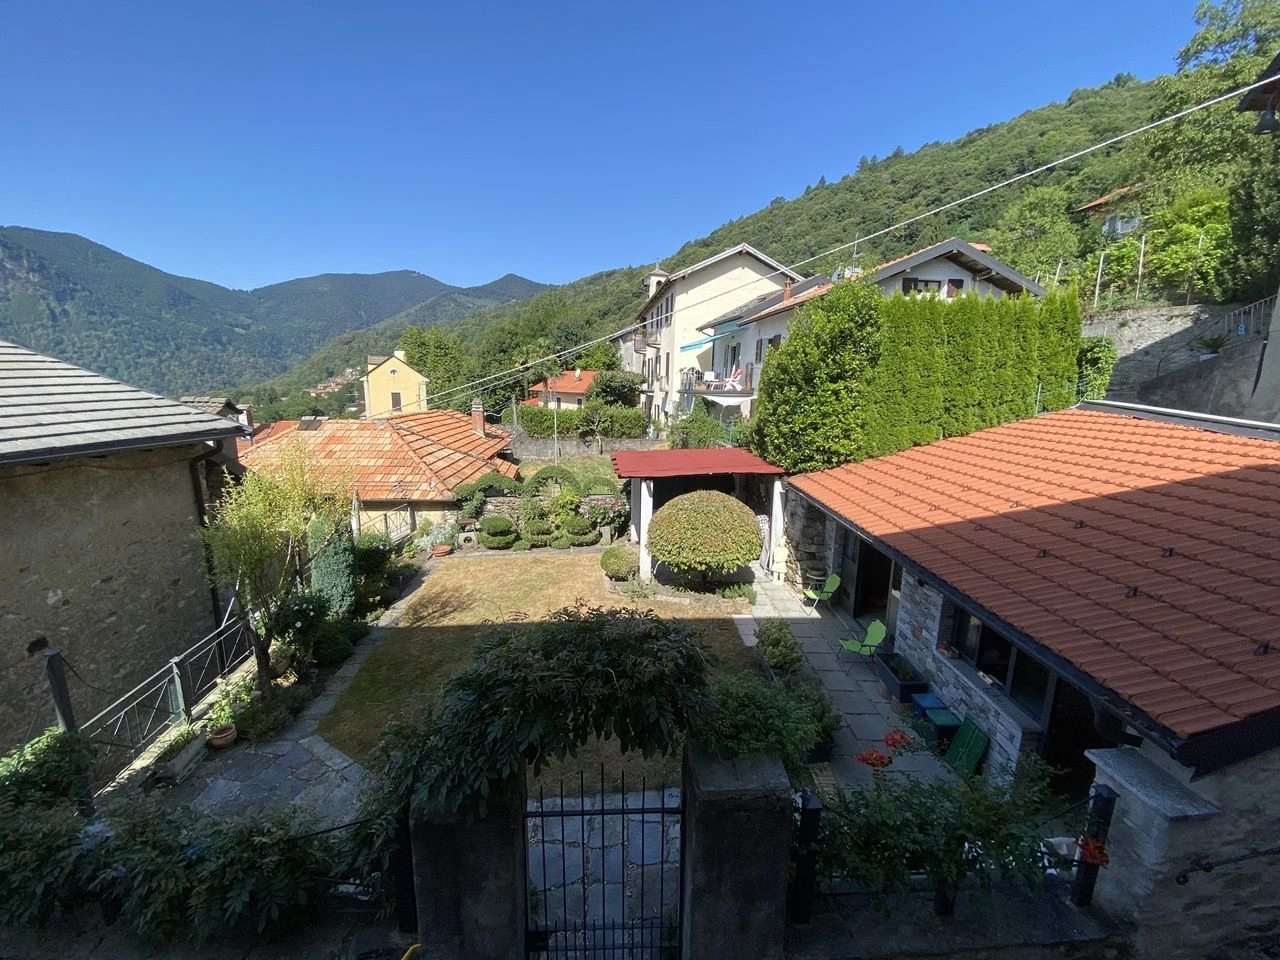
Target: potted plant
point(1211, 344)
point(899, 676)
point(221, 724)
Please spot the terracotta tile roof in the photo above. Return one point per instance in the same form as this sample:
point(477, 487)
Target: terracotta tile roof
point(417, 456)
point(689, 463)
point(566, 382)
point(268, 431)
point(1145, 553)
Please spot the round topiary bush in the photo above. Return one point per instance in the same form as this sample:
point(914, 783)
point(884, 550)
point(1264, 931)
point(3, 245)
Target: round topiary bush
point(539, 528)
point(497, 541)
point(520, 545)
point(705, 533)
point(620, 562)
point(560, 543)
point(497, 526)
point(577, 526)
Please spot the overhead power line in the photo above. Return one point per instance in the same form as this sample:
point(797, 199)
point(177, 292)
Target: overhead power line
point(514, 373)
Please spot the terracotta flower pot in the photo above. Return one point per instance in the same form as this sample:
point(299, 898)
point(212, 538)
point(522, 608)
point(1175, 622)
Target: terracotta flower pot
point(222, 737)
point(442, 550)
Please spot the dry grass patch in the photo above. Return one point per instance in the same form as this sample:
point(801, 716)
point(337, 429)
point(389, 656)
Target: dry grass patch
point(437, 637)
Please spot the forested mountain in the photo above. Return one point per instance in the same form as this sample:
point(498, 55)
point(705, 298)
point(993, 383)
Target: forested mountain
point(78, 300)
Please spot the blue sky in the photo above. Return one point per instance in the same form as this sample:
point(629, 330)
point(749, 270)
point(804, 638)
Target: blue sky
point(247, 143)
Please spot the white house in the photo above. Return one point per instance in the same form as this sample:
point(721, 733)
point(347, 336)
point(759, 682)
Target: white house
point(734, 345)
point(680, 304)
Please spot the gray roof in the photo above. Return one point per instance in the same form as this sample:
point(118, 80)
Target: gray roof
point(750, 310)
point(211, 404)
point(978, 262)
point(51, 410)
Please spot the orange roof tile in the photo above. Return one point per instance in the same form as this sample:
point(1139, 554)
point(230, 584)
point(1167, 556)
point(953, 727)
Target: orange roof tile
point(567, 382)
point(416, 456)
point(1144, 552)
point(267, 431)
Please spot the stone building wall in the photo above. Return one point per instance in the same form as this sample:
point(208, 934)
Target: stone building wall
point(925, 617)
point(1165, 822)
point(806, 535)
point(99, 557)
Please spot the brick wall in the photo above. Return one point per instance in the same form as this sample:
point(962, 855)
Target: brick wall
point(103, 560)
point(925, 616)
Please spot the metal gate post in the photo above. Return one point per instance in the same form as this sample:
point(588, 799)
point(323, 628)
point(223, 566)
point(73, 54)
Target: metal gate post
point(805, 882)
point(1101, 809)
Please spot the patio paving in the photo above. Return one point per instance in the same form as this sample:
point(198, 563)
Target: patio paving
point(868, 714)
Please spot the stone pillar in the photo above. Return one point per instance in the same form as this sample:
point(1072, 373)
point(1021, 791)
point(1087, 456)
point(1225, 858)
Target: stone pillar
point(736, 857)
point(636, 485)
point(646, 514)
point(471, 881)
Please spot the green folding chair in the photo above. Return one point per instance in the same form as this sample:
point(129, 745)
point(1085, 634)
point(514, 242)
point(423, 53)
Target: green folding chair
point(866, 646)
point(825, 592)
point(967, 749)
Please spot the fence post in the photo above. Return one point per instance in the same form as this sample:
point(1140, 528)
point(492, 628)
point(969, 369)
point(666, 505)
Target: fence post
point(402, 877)
point(1101, 809)
point(180, 692)
point(805, 883)
point(55, 670)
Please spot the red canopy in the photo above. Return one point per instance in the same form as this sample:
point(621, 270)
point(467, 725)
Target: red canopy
point(690, 463)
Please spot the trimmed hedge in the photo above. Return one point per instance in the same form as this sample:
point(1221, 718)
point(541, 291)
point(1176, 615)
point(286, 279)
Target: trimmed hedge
point(497, 526)
point(497, 541)
point(549, 475)
point(589, 539)
point(620, 562)
point(539, 528)
point(540, 423)
point(779, 645)
point(704, 532)
point(493, 480)
point(577, 526)
point(521, 545)
point(561, 542)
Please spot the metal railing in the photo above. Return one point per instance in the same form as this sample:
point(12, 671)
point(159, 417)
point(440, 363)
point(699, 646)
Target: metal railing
point(396, 524)
point(1252, 320)
point(165, 699)
point(695, 381)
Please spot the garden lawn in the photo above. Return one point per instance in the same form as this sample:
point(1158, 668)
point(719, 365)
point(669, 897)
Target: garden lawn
point(445, 619)
point(593, 473)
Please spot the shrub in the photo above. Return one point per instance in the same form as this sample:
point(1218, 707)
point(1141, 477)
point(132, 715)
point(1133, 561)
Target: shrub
point(549, 475)
point(531, 508)
point(262, 719)
point(620, 562)
point(589, 539)
point(493, 480)
point(301, 614)
point(355, 630)
point(497, 526)
point(704, 532)
point(1094, 362)
point(616, 388)
point(779, 646)
point(521, 545)
point(373, 553)
point(332, 645)
point(696, 429)
point(333, 565)
point(563, 506)
point(814, 697)
point(576, 526)
point(560, 542)
point(47, 769)
point(539, 528)
point(497, 541)
point(736, 591)
point(750, 716)
point(627, 423)
point(40, 862)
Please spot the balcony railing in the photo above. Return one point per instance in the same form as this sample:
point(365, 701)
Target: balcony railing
point(712, 381)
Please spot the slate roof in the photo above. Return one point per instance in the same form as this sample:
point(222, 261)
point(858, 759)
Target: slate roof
point(1143, 553)
point(211, 404)
point(975, 258)
point(689, 463)
point(772, 303)
point(566, 382)
point(51, 410)
point(417, 456)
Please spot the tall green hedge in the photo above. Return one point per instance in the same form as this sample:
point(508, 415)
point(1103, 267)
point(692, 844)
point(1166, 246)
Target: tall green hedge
point(333, 566)
point(862, 376)
point(541, 423)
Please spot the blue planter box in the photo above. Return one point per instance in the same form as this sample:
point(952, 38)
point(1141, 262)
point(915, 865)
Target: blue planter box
point(900, 690)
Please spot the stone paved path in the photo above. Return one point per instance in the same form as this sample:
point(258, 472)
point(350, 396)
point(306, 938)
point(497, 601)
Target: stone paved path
point(868, 714)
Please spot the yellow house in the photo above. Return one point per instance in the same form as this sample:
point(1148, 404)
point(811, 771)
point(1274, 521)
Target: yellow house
point(392, 386)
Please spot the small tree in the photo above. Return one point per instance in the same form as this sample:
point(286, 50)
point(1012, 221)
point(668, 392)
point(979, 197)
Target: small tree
point(333, 565)
point(616, 388)
point(595, 421)
point(258, 530)
point(704, 533)
point(696, 428)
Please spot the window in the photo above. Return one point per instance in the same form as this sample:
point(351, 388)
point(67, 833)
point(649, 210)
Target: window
point(916, 285)
point(1025, 679)
point(392, 370)
point(759, 350)
point(954, 288)
point(1029, 684)
point(775, 341)
point(579, 401)
point(395, 401)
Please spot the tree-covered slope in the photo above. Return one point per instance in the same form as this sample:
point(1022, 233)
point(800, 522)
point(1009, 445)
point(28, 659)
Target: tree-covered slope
point(78, 300)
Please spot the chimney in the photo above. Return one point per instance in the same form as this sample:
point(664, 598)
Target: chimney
point(477, 415)
point(577, 373)
point(399, 355)
point(786, 292)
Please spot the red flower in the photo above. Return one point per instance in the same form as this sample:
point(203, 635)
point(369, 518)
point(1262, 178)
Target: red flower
point(896, 738)
point(874, 759)
point(1093, 852)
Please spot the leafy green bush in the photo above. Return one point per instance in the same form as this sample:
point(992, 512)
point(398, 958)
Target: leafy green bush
point(779, 646)
point(563, 506)
point(560, 542)
point(233, 695)
point(749, 716)
point(497, 541)
point(815, 699)
point(373, 553)
point(262, 718)
point(541, 423)
point(355, 630)
point(620, 561)
point(704, 532)
point(616, 388)
point(497, 525)
point(333, 565)
point(493, 480)
point(301, 614)
point(696, 428)
point(539, 528)
point(47, 769)
point(521, 545)
point(589, 539)
point(736, 591)
point(41, 863)
point(1095, 361)
point(547, 476)
point(576, 526)
point(333, 644)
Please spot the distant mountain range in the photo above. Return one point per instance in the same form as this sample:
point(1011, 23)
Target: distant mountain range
point(80, 301)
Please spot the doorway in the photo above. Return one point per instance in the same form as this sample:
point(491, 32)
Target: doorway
point(873, 586)
point(1068, 734)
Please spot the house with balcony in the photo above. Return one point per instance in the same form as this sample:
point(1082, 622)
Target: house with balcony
point(736, 343)
point(676, 308)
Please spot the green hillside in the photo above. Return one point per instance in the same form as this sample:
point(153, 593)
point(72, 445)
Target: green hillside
point(75, 299)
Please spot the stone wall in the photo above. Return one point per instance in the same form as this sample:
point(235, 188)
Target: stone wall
point(925, 617)
point(805, 535)
point(1164, 823)
point(526, 448)
point(101, 558)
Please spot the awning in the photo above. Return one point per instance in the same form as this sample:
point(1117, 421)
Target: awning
point(726, 400)
point(699, 344)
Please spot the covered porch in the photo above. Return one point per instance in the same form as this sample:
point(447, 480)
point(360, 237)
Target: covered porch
point(660, 475)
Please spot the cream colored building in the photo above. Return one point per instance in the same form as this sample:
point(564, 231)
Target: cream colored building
point(392, 386)
point(679, 305)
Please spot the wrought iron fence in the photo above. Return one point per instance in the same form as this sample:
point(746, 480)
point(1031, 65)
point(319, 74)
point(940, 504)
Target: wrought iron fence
point(604, 871)
point(168, 697)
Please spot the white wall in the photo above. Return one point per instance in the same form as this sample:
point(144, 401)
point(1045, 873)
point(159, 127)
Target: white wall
point(943, 270)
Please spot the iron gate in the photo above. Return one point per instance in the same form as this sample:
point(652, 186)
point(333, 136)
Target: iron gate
point(604, 871)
